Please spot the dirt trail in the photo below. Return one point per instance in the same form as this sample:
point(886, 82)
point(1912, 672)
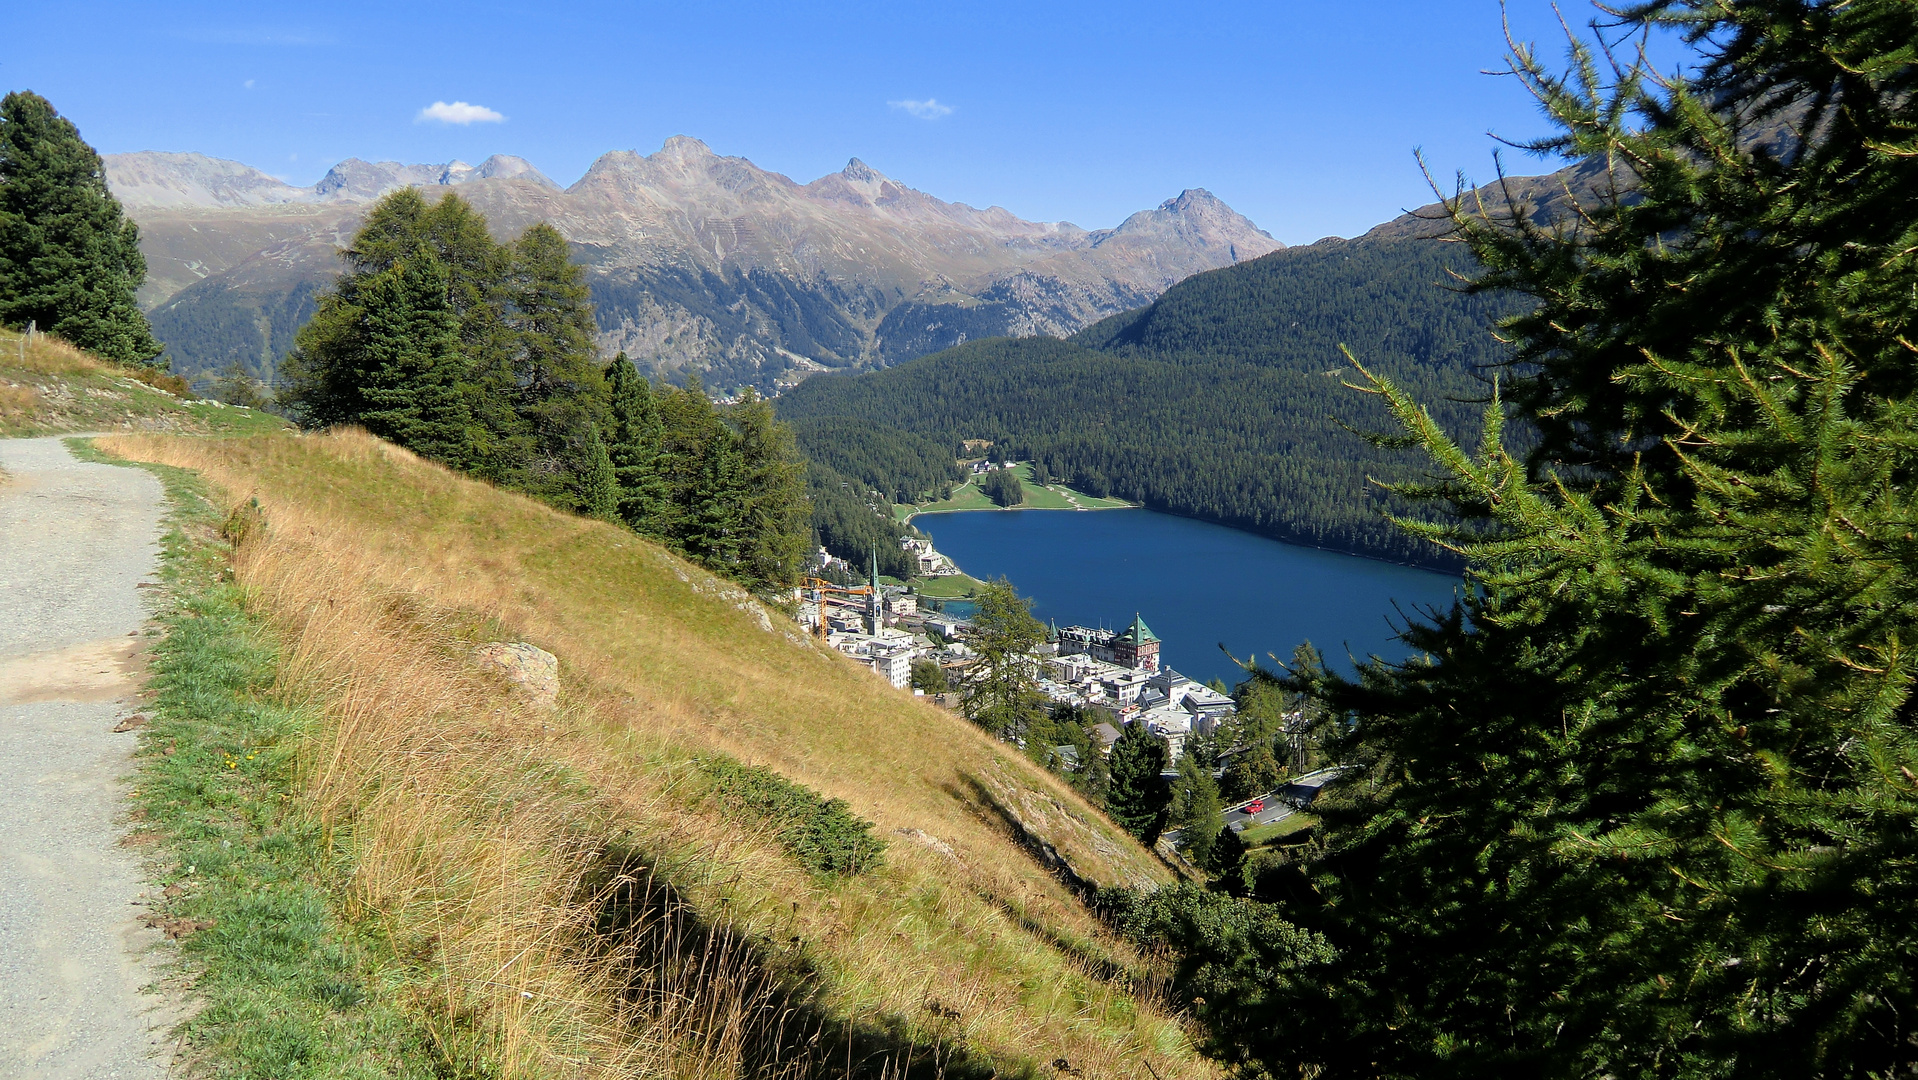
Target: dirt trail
point(76, 540)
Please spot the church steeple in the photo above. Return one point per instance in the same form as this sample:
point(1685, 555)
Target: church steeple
point(874, 617)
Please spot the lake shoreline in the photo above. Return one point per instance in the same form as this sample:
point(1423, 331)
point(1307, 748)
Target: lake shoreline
point(1429, 567)
point(1199, 584)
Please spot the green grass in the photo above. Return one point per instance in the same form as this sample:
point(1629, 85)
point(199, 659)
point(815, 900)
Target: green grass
point(287, 987)
point(50, 388)
point(1259, 835)
point(966, 496)
point(1047, 497)
point(952, 587)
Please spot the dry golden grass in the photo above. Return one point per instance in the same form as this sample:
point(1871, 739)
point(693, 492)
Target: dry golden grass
point(588, 910)
point(48, 386)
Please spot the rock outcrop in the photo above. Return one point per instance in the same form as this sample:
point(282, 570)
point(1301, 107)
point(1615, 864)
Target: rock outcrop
point(532, 670)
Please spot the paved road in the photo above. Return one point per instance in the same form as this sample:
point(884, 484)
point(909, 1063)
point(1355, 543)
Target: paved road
point(1238, 820)
point(1281, 802)
point(75, 541)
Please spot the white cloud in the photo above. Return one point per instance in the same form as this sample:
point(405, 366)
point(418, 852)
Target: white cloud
point(459, 112)
point(929, 109)
point(248, 84)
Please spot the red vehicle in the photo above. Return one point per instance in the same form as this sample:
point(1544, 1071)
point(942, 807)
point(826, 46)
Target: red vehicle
point(1255, 807)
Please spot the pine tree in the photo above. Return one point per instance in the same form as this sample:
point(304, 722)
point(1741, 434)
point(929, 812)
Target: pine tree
point(237, 386)
point(562, 394)
point(634, 445)
point(324, 376)
point(927, 675)
point(1252, 771)
point(1226, 860)
point(69, 260)
point(1195, 809)
point(410, 366)
point(1136, 796)
point(716, 531)
point(1648, 808)
point(598, 482)
point(1001, 689)
point(690, 429)
point(777, 513)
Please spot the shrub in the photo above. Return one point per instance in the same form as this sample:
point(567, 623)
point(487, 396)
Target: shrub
point(822, 834)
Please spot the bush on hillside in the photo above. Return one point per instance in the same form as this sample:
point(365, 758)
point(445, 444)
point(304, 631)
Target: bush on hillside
point(820, 833)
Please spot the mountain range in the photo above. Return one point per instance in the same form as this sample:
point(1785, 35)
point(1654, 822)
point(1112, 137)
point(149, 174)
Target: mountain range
point(698, 263)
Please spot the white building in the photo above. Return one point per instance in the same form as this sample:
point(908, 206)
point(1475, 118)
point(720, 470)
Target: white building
point(889, 653)
point(1171, 723)
point(947, 626)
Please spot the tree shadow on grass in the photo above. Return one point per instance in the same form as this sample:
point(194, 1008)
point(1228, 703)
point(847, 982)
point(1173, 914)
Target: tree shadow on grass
point(748, 1004)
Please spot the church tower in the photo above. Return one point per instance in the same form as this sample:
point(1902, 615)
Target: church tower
point(875, 614)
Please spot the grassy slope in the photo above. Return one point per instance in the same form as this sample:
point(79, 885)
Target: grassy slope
point(55, 388)
point(285, 985)
point(967, 496)
point(952, 586)
point(482, 835)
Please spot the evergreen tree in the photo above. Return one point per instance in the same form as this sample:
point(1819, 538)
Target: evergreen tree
point(716, 530)
point(562, 394)
point(1226, 860)
point(324, 377)
point(69, 260)
point(776, 512)
point(1002, 486)
point(689, 430)
point(1252, 771)
point(410, 367)
point(1136, 797)
point(635, 447)
point(237, 386)
point(598, 483)
point(1001, 692)
point(1094, 776)
point(481, 355)
point(927, 675)
point(1648, 808)
point(1195, 809)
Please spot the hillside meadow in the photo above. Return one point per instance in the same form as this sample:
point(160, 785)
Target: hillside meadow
point(582, 899)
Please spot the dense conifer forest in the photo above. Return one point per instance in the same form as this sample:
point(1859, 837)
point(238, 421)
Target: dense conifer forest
point(1225, 399)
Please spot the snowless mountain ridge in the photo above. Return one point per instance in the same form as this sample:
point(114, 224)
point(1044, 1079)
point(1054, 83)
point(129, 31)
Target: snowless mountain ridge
point(698, 261)
point(151, 179)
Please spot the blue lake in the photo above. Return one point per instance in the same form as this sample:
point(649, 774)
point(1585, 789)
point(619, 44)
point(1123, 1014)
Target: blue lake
point(1198, 585)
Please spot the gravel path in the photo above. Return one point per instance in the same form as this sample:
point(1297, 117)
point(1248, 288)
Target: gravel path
point(75, 542)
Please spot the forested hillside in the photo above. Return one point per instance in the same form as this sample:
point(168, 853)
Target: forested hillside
point(1224, 400)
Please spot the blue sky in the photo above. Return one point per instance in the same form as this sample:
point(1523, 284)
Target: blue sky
point(1303, 115)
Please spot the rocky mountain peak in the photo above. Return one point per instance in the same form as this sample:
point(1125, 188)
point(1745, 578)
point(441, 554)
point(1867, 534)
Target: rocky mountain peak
point(859, 172)
point(699, 261)
point(1196, 219)
point(685, 150)
point(508, 167)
